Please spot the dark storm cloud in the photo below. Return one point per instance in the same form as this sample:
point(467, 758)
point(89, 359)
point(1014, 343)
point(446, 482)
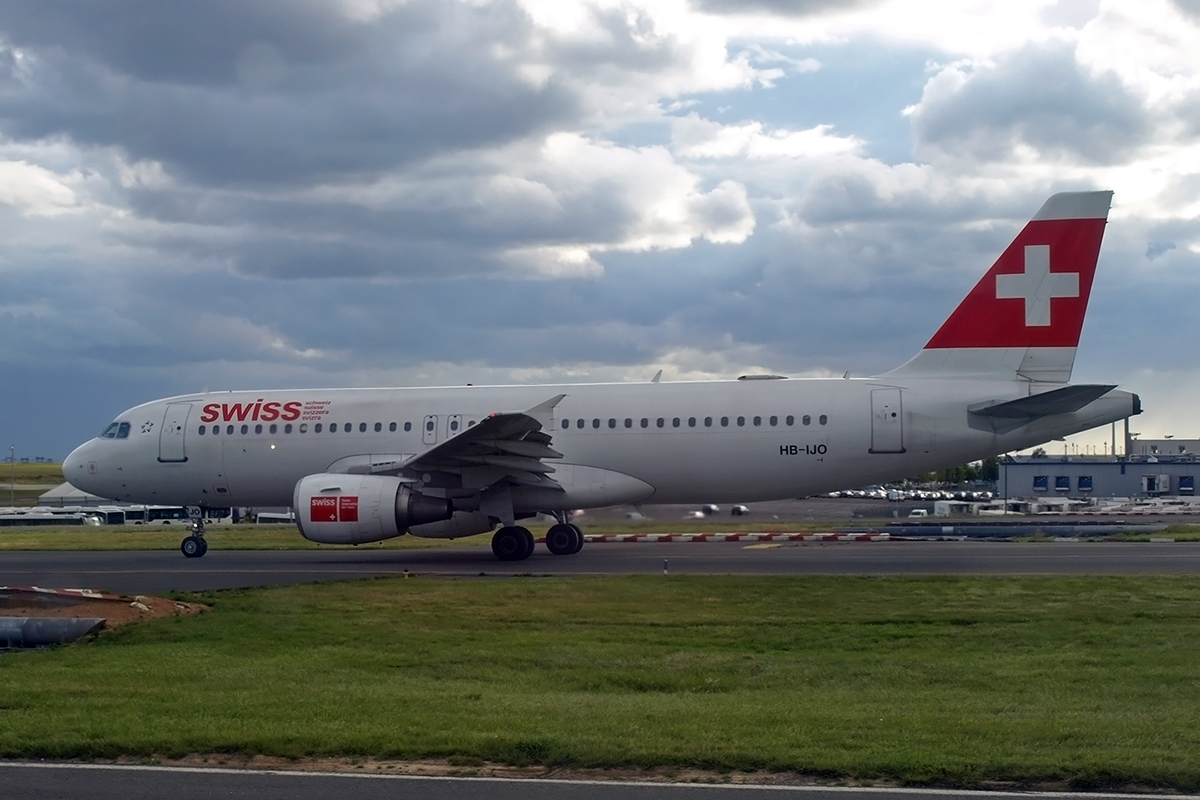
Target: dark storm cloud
point(282, 92)
point(1038, 96)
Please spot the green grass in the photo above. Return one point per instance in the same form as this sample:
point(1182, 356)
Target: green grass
point(48, 474)
point(954, 681)
point(222, 537)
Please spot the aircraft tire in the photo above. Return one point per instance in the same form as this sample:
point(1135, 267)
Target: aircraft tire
point(512, 543)
point(561, 540)
point(193, 547)
point(578, 537)
point(529, 541)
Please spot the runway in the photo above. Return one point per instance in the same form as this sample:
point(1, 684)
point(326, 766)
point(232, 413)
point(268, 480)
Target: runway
point(101, 782)
point(150, 572)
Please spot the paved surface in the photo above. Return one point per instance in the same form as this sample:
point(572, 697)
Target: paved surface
point(145, 572)
point(30, 782)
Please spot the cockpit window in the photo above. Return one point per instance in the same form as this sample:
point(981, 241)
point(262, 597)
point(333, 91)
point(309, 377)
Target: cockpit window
point(117, 430)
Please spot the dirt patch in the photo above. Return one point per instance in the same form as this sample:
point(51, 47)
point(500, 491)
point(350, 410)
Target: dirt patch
point(116, 610)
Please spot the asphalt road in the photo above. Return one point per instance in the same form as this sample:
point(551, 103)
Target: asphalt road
point(148, 572)
point(38, 782)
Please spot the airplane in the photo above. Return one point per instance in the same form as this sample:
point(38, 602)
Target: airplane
point(364, 465)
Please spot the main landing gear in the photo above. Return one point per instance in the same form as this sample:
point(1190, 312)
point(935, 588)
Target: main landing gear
point(514, 543)
point(194, 546)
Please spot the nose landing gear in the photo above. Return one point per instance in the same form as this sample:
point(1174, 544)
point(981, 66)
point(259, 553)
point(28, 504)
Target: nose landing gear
point(194, 546)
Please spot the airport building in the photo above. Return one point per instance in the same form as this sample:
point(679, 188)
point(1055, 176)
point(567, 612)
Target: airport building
point(1139, 475)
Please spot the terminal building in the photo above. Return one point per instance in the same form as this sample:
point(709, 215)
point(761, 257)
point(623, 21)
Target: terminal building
point(1152, 468)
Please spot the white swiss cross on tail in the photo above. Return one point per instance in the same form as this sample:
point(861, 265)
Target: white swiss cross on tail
point(1037, 285)
point(1024, 317)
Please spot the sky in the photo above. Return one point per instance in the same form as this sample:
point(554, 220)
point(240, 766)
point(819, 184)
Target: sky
point(317, 193)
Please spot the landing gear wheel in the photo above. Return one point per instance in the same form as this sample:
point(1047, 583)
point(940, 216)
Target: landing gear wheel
point(578, 537)
point(193, 547)
point(562, 540)
point(512, 543)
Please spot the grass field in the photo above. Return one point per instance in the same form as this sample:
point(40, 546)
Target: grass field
point(954, 681)
point(221, 537)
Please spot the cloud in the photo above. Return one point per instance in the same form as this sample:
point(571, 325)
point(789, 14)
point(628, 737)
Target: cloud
point(374, 192)
point(786, 8)
point(34, 190)
point(1037, 102)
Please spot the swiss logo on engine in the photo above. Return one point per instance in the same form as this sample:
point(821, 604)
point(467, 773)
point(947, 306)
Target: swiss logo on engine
point(333, 509)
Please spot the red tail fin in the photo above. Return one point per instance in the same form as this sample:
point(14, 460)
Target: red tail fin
point(1025, 316)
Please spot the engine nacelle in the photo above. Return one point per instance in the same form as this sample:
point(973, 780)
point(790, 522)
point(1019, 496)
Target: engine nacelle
point(462, 523)
point(352, 509)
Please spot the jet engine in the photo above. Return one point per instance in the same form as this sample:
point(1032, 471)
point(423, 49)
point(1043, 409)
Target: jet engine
point(352, 509)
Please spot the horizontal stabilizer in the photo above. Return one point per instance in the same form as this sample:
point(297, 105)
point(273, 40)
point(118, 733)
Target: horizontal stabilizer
point(1058, 401)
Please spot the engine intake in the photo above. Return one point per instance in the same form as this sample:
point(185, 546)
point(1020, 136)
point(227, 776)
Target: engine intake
point(352, 509)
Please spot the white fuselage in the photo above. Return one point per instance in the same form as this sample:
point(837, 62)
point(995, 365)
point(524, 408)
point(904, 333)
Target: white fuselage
point(722, 441)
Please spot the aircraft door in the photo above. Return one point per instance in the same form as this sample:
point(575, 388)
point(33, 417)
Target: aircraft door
point(887, 421)
point(429, 431)
point(173, 431)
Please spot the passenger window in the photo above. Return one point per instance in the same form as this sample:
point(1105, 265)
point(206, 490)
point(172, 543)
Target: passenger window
point(407, 426)
point(201, 431)
point(566, 424)
point(741, 421)
point(316, 428)
point(806, 419)
point(675, 422)
point(216, 429)
point(691, 422)
point(392, 427)
point(362, 427)
point(645, 422)
point(258, 428)
point(595, 423)
point(580, 423)
point(274, 429)
point(824, 419)
point(304, 427)
point(757, 421)
point(378, 427)
point(708, 422)
point(774, 421)
point(229, 430)
point(287, 428)
point(612, 423)
point(724, 422)
point(659, 422)
point(790, 420)
point(245, 429)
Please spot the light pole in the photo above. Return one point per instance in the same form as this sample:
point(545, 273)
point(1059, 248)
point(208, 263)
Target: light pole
point(12, 483)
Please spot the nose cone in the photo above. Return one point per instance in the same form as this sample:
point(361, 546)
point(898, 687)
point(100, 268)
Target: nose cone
point(79, 468)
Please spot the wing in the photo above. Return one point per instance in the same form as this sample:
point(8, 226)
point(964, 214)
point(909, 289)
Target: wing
point(509, 448)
